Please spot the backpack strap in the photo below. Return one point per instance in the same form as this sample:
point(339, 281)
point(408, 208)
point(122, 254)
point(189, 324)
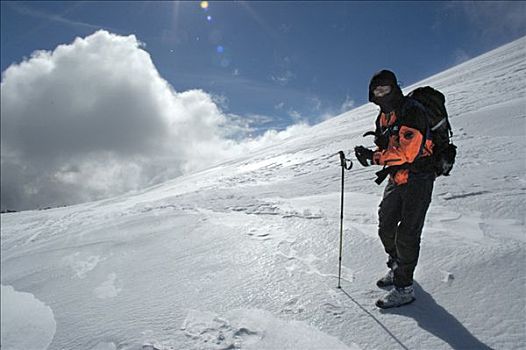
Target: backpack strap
point(428, 132)
point(440, 123)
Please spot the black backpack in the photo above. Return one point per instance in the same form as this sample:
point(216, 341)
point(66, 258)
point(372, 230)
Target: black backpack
point(444, 151)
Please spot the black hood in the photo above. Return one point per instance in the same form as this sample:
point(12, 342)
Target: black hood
point(391, 101)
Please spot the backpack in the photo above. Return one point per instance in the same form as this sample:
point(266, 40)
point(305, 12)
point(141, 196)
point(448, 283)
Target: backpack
point(444, 151)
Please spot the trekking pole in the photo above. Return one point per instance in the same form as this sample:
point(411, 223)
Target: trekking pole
point(343, 163)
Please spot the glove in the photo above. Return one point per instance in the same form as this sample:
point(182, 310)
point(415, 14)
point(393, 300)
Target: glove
point(364, 155)
point(380, 140)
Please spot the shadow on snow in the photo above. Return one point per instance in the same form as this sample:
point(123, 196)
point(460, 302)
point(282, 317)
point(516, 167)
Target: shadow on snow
point(432, 318)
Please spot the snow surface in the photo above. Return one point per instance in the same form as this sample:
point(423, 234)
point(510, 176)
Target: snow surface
point(245, 254)
point(27, 323)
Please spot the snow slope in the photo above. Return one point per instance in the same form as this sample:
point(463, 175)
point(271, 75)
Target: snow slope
point(245, 254)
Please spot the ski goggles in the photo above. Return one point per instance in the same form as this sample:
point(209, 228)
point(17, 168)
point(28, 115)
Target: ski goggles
point(382, 90)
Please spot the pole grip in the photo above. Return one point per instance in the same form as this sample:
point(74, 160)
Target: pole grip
point(342, 158)
point(344, 162)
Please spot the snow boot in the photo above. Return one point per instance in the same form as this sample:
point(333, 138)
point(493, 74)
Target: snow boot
point(387, 280)
point(397, 297)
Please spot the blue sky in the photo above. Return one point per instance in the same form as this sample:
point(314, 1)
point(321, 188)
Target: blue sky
point(91, 114)
point(276, 63)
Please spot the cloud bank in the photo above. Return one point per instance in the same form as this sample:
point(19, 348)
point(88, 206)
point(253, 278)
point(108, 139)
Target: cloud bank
point(94, 118)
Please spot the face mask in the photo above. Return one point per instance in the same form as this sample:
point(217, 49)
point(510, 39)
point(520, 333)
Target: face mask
point(382, 90)
point(387, 97)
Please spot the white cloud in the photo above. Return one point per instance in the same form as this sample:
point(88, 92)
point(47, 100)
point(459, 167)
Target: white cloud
point(272, 136)
point(348, 104)
point(296, 116)
point(316, 103)
point(325, 116)
point(284, 78)
point(221, 100)
point(94, 118)
point(258, 119)
point(460, 56)
point(279, 105)
point(493, 19)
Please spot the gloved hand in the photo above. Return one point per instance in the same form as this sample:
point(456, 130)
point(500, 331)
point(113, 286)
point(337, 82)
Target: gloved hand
point(364, 155)
point(380, 140)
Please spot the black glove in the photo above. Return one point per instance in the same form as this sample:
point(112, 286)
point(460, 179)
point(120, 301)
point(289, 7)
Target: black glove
point(363, 155)
point(380, 140)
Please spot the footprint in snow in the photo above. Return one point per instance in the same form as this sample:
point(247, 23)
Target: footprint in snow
point(292, 306)
point(259, 234)
point(208, 331)
point(336, 311)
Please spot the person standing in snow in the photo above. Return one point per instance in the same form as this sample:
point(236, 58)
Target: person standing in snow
point(404, 151)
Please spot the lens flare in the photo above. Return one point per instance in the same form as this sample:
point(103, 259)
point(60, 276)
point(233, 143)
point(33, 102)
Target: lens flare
point(204, 5)
point(220, 49)
point(225, 62)
point(209, 18)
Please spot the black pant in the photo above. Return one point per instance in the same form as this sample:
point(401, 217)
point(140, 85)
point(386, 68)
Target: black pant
point(401, 218)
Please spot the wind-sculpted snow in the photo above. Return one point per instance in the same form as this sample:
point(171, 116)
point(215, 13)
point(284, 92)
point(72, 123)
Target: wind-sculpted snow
point(245, 255)
point(253, 329)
